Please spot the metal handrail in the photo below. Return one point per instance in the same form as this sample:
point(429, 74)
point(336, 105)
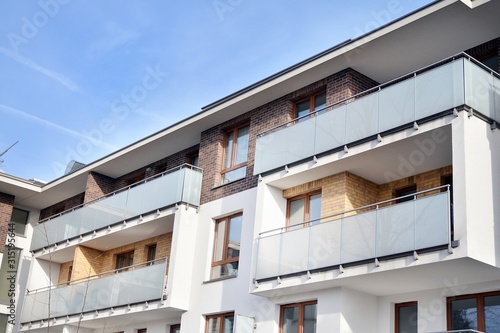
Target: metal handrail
point(384, 85)
point(414, 195)
point(143, 181)
point(100, 275)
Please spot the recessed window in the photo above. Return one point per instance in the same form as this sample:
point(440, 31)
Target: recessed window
point(405, 194)
point(222, 323)
point(142, 330)
point(477, 312)
point(151, 251)
point(20, 219)
point(304, 208)
point(313, 105)
point(226, 247)
point(406, 317)
point(124, 260)
point(193, 160)
point(236, 143)
point(175, 328)
point(298, 318)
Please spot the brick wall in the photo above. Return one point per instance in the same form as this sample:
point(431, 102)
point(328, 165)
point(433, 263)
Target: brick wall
point(88, 261)
point(97, 186)
point(338, 86)
point(6, 205)
point(62, 206)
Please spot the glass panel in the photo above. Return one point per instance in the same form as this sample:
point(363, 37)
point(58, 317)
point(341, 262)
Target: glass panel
point(270, 151)
point(214, 325)
point(431, 223)
point(296, 212)
point(397, 105)
point(192, 185)
point(492, 314)
point(395, 229)
point(407, 319)
point(439, 89)
point(268, 257)
point(228, 150)
point(300, 141)
point(302, 109)
point(315, 208)
point(228, 324)
point(229, 269)
point(496, 83)
point(320, 103)
point(219, 240)
point(310, 318)
point(480, 89)
point(20, 219)
point(362, 118)
point(358, 237)
point(324, 245)
point(464, 314)
point(242, 145)
point(234, 239)
point(290, 320)
point(234, 175)
point(330, 130)
point(294, 251)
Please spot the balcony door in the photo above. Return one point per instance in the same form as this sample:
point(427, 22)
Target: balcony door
point(124, 260)
point(303, 208)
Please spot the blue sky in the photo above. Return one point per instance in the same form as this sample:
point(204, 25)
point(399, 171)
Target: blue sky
point(83, 78)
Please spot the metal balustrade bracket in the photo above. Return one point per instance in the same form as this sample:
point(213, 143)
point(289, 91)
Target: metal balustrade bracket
point(415, 255)
point(81, 315)
point(67, 241)
point(94, 233)
point(341, 269)
point(260, 177)
point(377, 263)
point(54, 321)
point(315, 159)
point(146, 304)
point(309, 275)
point(43, 250)
point(141, 218)
point(176, 206)
point(157, 213)
point(187, 207)
point(33, 253)
point(379, 138)
point(125, 223)
point(97, 313)
point(55, 246)
point(109, 228)
point(278, 280)
point(67, 318)
point(129, 307)
point(470, 112)
point(255, 283)
point(494, 125)
point(346, 149)
point(30, 324)
point(81, 237)
point(415, 126)
point(41, 322)
point(455, 243)
point(455, 112)
point(286, 169)
point(112, 310)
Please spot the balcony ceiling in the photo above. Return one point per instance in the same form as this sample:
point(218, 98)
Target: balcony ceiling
point(410, 43)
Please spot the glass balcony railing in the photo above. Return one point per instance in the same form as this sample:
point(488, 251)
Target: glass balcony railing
point(384, 229)
point(134, 284)
point(182, 184)
point(453, 83)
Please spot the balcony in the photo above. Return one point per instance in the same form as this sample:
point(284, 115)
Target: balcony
point(130, 285)
point(368, 234)
point(179, 185)
point(455, 83)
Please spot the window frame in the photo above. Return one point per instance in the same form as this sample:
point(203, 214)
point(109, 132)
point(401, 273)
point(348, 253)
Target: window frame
point(234, 148)
point(16, 223)
point(225, 245)
point(479, 307)
point(128, 255)
point(301, 305)
point(399, 192)
point(397, 306)
point(175, 327)
point(311, 98)
point(222, 316)
point(307, 206)
point(151, 249)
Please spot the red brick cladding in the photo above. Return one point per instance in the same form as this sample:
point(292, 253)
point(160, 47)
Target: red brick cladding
point(62, 206)
point(6, 205)
point(339, 86)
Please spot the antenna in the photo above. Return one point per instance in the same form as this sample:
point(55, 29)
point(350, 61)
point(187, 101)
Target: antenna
point(6, 150)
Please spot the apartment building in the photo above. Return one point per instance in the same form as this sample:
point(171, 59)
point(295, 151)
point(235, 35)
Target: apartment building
point(356, 191)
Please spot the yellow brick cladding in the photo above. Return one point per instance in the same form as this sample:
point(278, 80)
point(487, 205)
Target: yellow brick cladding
point(88, 262)
point(346, 191)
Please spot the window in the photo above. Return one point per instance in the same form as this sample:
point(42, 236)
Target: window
point(405, 191)
point(298, 318)
point(227, 246)
point(175, 328)
point(406, 317)
point(70, 272)
point(235, 154)
point(20, 219)
point(124, 260)
point(310, 105)
point(304, 208)
point(478, 312)
point(193, 160)
point(490, 60)
point(151, 253)
point(142, 330)
point(222, 323)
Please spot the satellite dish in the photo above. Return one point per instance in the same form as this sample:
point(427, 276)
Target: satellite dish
point(73, 166)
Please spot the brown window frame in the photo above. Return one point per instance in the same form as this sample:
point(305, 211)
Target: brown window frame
point(222, 316)
point(396, 310)
point(311, 99)
point(479, 306)
point(301, 306)
point(127, 254)
point(306, 197)
point(149, 251)
point(234, 148)
point(225, 260)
